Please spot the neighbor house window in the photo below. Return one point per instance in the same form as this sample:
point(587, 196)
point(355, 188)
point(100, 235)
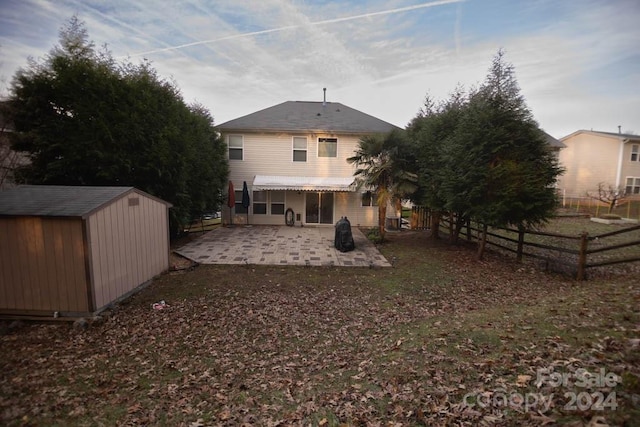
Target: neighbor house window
point(239, 208)
point(260, 202)
point(635, 153)
point(299, 149)
point(633, 185)
point(327, 147)
point(277, 202)
point(369, 199)
point(235, 147)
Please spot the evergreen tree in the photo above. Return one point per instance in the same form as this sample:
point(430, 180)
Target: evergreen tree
point(432, 131)
point(83, 119)
point(505, 171)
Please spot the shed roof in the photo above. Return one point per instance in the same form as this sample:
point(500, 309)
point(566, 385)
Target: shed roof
point(60, 200)
point(301, 116)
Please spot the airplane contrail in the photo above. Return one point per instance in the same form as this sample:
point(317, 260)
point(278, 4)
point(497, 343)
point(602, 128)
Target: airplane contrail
point(291, 27)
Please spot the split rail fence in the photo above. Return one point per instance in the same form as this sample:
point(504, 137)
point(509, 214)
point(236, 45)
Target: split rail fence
point(573, 254)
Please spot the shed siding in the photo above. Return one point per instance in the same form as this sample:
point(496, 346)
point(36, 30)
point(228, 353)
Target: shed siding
point(129, 246)
point(42, 265)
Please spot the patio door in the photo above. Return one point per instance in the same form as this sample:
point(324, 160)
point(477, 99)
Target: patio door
point(319, 208)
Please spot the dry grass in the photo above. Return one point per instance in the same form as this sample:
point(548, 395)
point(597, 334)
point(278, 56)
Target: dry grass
point(266, 345)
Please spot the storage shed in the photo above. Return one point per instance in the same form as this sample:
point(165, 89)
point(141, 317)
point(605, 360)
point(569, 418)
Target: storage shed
point(72, 251)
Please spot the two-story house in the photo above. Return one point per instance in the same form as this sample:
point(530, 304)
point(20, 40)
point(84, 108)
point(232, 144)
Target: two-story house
point(293, 157)
point(593, 157)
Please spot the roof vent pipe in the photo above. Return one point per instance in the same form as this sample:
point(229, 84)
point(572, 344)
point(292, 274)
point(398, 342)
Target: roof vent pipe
point(324, 101)
point(619, 129)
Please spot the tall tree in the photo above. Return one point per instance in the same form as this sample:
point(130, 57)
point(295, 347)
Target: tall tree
point(384, 166)
point(432, 131)
point(505, 171)
point(84, 119)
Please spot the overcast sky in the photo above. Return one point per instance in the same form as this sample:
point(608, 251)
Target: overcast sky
point(577, 61)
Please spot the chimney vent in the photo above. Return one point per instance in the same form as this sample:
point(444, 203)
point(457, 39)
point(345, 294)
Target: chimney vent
point(620, 129)
point(324, 101)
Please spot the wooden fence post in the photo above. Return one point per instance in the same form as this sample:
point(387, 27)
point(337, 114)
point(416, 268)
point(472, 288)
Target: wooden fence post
point(582, 255)
point(520, 243)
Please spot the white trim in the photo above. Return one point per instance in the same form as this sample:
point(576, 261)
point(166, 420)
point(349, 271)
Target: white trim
point(620, 160)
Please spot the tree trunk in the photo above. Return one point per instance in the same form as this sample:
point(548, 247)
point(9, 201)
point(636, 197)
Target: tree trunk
point(482, 243)
point(382, 215)
point(460, 221)
point(435, 225)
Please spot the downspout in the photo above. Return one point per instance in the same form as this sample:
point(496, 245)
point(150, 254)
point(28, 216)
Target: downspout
point(620, 160)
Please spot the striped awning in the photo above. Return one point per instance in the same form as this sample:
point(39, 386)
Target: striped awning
point(302, 183)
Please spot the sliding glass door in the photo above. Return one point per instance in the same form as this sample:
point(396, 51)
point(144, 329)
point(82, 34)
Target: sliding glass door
point(319, 208)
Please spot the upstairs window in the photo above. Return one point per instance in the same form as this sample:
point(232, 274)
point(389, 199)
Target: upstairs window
point(236, 147)
point(635, 153)
point(299, 149)
point(327, 147)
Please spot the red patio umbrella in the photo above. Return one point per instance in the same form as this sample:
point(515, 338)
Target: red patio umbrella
point(231, 200)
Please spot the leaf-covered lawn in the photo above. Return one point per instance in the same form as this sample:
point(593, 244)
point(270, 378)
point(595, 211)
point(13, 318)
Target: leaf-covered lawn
point(440, 339)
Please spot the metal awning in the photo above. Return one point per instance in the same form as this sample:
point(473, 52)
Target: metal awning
point(302, 183)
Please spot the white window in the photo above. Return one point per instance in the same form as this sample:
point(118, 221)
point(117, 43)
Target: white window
point(277, 202)
point(259, 202)
point(369, 198)
point(327, 147)
point(633, 185)
point(236, 147)
point(635, 153)
point(299, 148)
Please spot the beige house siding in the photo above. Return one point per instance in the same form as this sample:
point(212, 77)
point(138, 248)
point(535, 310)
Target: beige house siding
point(129, 245)
point(272, 154)
point(588, 159)
point(42, 265)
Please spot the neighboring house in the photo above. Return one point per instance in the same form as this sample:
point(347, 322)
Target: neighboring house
point(293, 156)
point(554, 144)
point(592, 157)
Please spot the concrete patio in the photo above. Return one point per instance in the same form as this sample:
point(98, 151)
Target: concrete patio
point(280, 245)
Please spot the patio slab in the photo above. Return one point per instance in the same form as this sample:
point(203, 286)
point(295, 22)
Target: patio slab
point(280, 245)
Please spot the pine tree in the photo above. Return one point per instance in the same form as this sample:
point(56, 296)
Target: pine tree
point(83, 119)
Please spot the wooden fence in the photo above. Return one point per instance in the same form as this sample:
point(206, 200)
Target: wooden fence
point(556, 250)
point(420, 218)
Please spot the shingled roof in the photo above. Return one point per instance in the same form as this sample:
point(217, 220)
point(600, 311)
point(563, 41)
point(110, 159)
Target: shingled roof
point(59, 200)
point(553, 142)
point(621, 136)
point(300, 116)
